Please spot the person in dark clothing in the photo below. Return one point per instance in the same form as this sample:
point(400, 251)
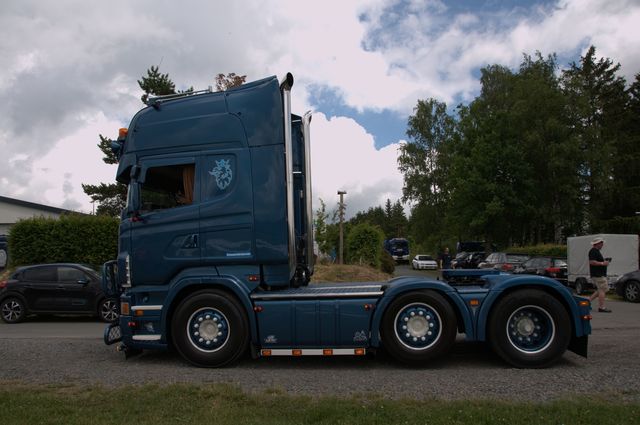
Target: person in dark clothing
point(445, 259)
point(598, 271)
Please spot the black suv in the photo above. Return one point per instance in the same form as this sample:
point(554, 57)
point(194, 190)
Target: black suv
point(3, 252)
point(55, 289)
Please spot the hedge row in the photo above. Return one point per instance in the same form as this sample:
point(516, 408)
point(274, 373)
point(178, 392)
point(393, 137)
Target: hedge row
point(90, 240)
point(545, 250)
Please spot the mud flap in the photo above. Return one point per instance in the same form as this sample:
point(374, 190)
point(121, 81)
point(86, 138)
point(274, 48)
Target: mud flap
point(579, 345)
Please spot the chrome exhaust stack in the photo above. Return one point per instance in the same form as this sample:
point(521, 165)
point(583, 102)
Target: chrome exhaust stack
point(285, 89)
point(306, 128)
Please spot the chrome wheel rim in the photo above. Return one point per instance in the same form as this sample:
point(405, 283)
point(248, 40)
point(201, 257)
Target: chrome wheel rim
point(208, 329)
point(11, 311)
point(109, 310)
point(530, 329)
point(418, 326)
point(631, 291)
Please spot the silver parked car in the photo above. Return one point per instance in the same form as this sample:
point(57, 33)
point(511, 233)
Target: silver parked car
point(424, 262)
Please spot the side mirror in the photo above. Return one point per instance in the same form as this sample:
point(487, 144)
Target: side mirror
point(133, 198)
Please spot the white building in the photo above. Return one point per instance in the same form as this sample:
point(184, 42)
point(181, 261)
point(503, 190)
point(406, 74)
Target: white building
point(12, 210)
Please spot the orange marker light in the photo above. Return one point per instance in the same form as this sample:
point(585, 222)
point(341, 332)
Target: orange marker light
point(266, 353)
point(124, 309)
point(584, 303)
point(139, 313)
point(359, 352)
point(296, 352)
point(474, 303)
point(122, 133)
point(327, 352)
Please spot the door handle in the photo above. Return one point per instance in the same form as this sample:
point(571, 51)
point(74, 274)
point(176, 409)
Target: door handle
point(190, 242)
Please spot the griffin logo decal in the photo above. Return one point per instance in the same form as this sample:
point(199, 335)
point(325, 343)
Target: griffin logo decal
point(223, 173)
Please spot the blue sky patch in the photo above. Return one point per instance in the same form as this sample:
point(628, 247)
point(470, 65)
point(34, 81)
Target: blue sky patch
point(386, 126)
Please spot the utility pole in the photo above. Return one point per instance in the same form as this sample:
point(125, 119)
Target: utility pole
point(341, 208)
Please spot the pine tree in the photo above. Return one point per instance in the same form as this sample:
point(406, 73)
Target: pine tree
point(156, 84)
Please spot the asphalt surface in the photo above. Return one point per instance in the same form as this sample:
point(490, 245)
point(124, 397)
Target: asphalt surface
point(62, 350)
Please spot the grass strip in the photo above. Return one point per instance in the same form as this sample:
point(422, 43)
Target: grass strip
point(226, 404)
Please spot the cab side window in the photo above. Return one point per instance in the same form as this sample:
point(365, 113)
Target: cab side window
point(168, 186)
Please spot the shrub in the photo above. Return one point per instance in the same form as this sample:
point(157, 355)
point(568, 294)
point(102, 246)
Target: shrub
point(364, 244)
point(544, 250)
point(387, 263)
point(71, 238)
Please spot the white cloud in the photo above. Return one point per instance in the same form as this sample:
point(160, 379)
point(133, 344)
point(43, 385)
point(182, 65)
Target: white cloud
point(344, 158)
point(65, 77)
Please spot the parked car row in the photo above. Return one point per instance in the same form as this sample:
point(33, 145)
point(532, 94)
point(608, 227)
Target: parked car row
point(553, 267)
point(55, 289)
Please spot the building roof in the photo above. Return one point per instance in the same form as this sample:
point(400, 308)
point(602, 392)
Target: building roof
point(34, 205)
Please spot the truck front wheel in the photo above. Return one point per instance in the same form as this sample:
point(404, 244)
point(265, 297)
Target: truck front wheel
point(418, 327)
point(529, 329)
point(210, 329)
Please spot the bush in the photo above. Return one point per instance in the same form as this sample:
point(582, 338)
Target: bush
point(73, 238)
point(544, 250)
point(387, 263)
point(364, 244)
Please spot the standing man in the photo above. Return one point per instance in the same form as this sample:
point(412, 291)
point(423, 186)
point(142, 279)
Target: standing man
point(598, 271)
point(445, 259)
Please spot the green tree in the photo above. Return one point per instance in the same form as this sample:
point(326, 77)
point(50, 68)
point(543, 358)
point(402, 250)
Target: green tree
point(156, 83)
point(111, 197)
point(425, 165)
point(364, 245)
point(597, 102)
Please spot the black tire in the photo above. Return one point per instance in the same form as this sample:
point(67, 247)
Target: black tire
point(529, 329)
point(210, 329)
point(580, 286)
point(418, 327)
point(108, 310)
point(12, 310)
point(632, 291)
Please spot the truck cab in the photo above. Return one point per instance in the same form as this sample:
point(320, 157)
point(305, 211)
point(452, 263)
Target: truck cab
point(216, 253)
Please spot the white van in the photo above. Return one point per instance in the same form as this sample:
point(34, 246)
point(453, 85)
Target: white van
point(622, 249)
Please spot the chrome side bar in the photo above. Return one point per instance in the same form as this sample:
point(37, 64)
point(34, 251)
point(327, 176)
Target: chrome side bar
point(306, 128)
point(285, 88)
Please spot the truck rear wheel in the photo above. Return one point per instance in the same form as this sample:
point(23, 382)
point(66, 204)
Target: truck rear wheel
point(529, 329)
point(210, 329)
point(418, 327)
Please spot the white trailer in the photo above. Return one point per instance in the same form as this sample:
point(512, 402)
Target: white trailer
point(622, 249)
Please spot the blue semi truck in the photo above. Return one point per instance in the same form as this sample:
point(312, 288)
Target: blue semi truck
point(216, 253)
point(398, 248)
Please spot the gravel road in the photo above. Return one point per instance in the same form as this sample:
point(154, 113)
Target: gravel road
point(71, 351)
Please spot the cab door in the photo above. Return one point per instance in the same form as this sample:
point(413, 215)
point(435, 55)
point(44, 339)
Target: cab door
point(165, 230)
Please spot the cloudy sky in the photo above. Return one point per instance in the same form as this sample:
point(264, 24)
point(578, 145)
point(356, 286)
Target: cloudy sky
point(68, 72)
